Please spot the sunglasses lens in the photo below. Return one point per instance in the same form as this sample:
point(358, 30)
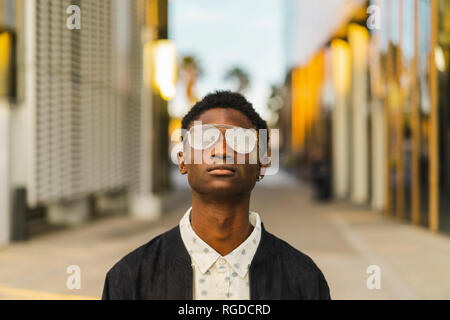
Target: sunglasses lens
point(202, 137)
point(241, 140)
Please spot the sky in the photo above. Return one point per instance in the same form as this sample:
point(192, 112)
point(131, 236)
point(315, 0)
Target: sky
point(222, 34)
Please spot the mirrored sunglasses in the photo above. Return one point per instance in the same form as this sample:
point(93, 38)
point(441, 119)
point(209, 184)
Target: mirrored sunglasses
point(205, 136)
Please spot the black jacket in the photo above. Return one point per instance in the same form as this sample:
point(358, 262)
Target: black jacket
point(161, 269)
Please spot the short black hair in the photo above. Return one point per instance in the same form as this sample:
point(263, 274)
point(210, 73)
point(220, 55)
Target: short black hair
point(224, 99)
point(227, 99)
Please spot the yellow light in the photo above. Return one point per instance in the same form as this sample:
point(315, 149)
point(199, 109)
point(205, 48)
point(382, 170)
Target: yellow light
point(359, 43)
point(147, 64)
point(439, 59)
point(175, 124)
point(341, 65)
point(164, 67)
point(5, 57)
point(298, 117)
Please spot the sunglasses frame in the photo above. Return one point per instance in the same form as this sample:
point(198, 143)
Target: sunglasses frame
point(218, 125)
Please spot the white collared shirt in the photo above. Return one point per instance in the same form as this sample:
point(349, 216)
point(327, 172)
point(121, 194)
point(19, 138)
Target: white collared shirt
point(219, 277)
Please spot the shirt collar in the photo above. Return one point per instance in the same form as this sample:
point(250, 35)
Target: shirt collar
point(205, 256)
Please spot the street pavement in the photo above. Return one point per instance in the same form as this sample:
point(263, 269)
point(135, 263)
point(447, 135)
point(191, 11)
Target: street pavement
point(342, 239)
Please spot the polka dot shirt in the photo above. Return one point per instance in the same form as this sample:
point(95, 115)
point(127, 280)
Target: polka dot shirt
point(218, 277)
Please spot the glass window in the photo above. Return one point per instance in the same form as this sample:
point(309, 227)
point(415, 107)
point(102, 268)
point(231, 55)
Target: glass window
point(442, 60)
point(423, 69)
point(406, 77)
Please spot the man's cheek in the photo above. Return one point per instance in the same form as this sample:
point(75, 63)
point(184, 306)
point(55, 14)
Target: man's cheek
point(245, 171)
point(193, 156)
point(196, 171)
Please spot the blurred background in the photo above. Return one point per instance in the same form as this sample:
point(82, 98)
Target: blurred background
point(359, 90)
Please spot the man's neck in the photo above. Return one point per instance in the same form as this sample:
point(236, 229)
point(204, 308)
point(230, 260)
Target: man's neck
point(222, 223)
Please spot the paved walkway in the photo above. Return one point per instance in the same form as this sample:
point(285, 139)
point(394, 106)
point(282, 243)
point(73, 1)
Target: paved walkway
point(342, 239)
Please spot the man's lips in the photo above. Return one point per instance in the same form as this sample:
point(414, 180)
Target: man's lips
point(221, 170)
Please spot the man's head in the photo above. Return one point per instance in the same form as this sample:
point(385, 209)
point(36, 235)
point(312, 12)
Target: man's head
point(214, 174)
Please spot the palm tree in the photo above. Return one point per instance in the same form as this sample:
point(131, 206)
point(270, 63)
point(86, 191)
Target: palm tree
point(275, 103)
point(239, 75)
point(191, 71)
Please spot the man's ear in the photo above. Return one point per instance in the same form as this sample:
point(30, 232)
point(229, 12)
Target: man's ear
point(181, 163)
point(263, 167)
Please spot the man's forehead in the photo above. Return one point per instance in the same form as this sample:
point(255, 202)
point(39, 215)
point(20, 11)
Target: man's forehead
point(224, 116)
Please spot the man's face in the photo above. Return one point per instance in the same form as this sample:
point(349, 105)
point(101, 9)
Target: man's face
point(235, 178)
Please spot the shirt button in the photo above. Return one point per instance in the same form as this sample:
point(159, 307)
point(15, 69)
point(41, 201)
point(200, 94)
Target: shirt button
point(221, 261)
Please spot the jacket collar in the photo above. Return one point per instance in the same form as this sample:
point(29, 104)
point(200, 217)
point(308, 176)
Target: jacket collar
point(175, 245)
point(179, 262)
point(204, 256)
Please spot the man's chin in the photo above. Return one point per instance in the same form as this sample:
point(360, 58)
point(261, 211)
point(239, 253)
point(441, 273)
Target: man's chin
point(223, 187)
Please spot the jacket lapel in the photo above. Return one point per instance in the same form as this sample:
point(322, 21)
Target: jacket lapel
point(180, 273)
point(261, 268)
point(178, 267)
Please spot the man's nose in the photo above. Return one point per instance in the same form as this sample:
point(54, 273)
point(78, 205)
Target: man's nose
point(221, 150)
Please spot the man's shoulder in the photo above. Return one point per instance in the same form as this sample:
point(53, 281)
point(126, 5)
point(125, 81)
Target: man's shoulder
point(145, 253)
point(123, 279)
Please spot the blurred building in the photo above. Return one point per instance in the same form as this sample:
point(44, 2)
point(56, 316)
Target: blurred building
point(83, 128)
point(370, 106)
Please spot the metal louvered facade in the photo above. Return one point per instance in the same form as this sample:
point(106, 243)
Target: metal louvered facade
point(134, 103)
point(86, 129)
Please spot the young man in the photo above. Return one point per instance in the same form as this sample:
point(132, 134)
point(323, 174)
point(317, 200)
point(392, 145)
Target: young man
point(220, 249)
